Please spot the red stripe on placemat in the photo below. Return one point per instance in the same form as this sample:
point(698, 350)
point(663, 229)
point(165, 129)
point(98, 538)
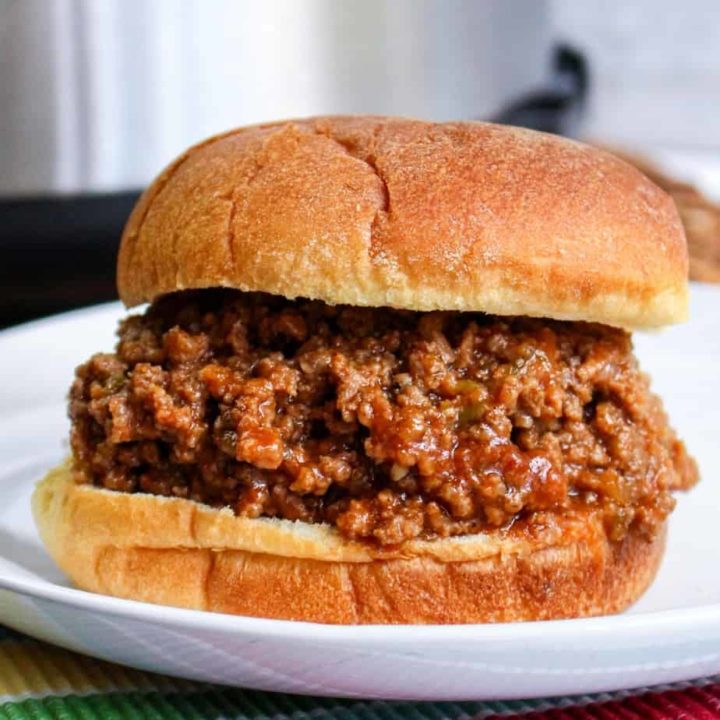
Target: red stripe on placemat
point(695, 703)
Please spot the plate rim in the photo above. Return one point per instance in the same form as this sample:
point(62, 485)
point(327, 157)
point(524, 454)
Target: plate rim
point(681, 619)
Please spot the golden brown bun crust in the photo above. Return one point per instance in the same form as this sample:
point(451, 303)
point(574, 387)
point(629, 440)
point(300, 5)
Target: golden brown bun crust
point(176, 552)
point(389, 212)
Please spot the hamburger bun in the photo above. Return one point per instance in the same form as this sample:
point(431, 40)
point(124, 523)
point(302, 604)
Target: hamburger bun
point(177, 552)
point(376, 211)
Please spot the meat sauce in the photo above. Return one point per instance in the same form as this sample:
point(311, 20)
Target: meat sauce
point(388, 424)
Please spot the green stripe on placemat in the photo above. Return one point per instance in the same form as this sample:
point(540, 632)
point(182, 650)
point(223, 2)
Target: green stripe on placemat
point(242, 705)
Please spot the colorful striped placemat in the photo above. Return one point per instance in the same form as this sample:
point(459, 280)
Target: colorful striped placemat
point(41, 682)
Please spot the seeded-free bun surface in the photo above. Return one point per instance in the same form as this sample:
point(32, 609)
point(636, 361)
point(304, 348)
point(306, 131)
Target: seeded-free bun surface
point(380, 211)
point(177, 552)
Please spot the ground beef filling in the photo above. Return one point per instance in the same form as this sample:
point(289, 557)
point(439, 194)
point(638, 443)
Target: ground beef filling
point(389, 425)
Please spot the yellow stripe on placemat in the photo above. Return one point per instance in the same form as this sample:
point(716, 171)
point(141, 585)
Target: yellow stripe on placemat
point(33, 669)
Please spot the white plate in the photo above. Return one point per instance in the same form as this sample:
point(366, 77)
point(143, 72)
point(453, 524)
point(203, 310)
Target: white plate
point(672, 634)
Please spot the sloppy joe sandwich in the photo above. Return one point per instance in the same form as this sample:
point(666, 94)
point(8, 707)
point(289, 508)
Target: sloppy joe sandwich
point(385, 375)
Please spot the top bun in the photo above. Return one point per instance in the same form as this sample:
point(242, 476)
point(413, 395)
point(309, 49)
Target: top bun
point(382, 211)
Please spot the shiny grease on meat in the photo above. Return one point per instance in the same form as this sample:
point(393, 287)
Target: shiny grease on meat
point(388, 424)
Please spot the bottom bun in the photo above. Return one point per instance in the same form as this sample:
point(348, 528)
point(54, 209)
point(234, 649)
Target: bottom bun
point(177, 552)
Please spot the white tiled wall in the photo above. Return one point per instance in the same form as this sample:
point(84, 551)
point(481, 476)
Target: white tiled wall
point(656, 78)
point(656, 67)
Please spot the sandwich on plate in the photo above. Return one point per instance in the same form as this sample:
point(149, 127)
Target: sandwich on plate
point(384, 374)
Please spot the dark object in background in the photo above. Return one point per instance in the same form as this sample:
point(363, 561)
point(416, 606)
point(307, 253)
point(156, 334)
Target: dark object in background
point(559, 107)
point(59, 253)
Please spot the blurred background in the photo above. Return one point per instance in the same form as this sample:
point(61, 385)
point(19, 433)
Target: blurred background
point(96, 96)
